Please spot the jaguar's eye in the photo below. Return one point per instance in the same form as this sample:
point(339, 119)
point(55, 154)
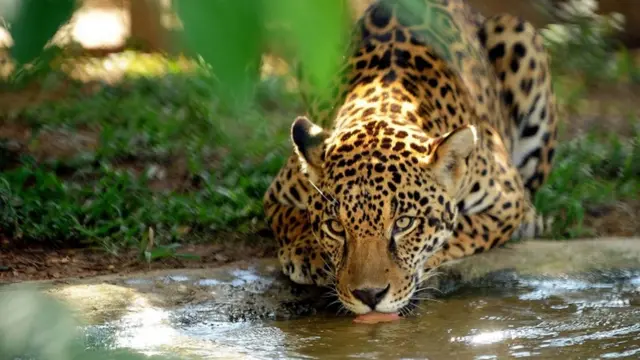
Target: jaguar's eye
point(403, 224)
point(334, 229)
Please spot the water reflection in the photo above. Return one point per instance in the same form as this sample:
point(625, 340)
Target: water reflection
point(547, 319)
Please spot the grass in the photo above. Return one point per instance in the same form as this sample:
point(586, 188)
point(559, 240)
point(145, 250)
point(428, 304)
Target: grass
point(157, 153)
point(165, 156)
point(591, 173)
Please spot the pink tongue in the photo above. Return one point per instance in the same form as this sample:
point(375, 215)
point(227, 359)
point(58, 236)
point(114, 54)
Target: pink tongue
point(376, 317)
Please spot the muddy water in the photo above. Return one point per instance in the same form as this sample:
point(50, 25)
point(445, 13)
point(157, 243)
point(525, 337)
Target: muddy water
point(505, 316)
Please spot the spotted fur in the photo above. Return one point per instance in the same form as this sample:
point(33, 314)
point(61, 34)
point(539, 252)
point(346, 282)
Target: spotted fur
point(443, 128)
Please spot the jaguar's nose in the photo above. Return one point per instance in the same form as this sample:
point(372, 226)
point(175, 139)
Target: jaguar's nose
point(370, 296)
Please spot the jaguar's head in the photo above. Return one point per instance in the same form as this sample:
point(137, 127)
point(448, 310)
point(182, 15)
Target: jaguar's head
point(385, 201)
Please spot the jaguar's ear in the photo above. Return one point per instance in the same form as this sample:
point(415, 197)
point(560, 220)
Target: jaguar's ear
point(449, 156)
point(308, 141)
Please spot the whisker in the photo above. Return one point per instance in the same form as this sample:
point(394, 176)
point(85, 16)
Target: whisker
point(343, 309)
point(427, 299)
point(410, 308)
point(407, 309)
point(430, 288)
point(330, 294)
point(431, 274)
point(321, 193)
point(335, 302)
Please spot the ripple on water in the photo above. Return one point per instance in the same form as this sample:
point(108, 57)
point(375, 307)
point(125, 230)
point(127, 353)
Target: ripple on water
point(546, 319)
point(238, 277)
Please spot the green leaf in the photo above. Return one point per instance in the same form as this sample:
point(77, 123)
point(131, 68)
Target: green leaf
point(33, 23)
point(319, 30)
point(187, 256)
point(228, 36)
point(160, 253)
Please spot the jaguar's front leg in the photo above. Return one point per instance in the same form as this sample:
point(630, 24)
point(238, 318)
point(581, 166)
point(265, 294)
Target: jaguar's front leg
point(301, 256)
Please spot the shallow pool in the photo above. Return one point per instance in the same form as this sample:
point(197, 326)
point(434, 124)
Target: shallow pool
point(596, 316)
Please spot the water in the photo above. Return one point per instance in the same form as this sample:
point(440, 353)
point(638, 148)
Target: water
point(564, 318)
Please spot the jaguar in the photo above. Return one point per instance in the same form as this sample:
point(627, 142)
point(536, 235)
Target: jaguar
point(442, 127)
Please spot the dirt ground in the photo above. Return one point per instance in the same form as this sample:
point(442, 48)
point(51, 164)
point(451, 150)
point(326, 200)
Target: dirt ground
point(18, 265)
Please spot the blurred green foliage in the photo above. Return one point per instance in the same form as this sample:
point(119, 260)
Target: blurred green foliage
point(34, 325)
point(319, 32)
point(580, 29)
point(230, 36)
point(32, 23)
